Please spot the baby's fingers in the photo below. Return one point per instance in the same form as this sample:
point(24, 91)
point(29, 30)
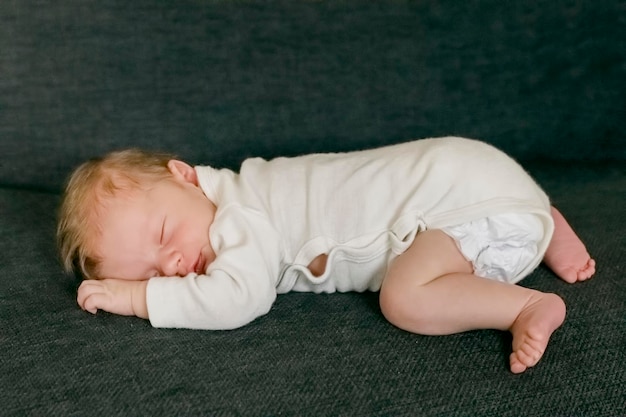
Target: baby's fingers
point(94, 301)
point(88, 294)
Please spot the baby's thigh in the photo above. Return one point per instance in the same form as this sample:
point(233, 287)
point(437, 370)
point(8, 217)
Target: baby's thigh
point(432, 254)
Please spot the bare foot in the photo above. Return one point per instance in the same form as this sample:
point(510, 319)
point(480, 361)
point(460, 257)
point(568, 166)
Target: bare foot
point(532, 329)
point(566, 255)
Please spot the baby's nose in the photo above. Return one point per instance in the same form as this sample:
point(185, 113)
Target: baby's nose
point(171, 264)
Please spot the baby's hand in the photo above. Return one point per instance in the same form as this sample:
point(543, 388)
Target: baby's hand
point(127, 298)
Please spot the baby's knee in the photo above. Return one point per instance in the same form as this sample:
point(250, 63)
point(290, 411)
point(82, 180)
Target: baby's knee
point(403, 310)
point(388, 305)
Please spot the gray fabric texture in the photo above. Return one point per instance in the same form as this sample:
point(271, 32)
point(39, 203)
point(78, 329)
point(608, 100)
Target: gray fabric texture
point(219, 81)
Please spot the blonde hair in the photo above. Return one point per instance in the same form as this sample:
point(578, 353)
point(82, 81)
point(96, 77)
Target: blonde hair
point(89, 187)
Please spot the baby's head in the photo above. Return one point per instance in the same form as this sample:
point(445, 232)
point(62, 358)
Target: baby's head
point(90, 188)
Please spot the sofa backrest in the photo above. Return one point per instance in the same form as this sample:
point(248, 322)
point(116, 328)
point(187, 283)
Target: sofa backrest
point(218, 81)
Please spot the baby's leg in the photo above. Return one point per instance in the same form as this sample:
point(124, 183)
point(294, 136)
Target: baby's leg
point(430, 289)
point(566, 254)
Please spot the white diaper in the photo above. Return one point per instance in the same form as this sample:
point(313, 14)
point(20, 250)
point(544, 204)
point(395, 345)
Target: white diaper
point(500, 247)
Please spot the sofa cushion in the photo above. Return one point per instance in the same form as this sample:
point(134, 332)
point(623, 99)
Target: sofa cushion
point(217, 81)
point(312, 354)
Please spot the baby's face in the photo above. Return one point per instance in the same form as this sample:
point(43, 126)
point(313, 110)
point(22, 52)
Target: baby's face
point(162, 230)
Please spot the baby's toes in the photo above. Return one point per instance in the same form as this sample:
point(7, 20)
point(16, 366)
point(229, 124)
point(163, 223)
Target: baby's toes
point(517, 367)
point(529, 355)
point(587, 271)
point(591, 267)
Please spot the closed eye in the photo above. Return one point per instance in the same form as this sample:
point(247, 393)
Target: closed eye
point(162, 233)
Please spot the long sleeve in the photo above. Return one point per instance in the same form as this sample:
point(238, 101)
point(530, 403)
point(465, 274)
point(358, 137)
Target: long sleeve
point(239, 286)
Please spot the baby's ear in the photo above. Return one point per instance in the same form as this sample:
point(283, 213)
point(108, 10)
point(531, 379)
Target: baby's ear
point(183, 171)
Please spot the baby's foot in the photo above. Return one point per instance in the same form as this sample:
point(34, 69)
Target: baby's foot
point(532, 329)
point(566, 254)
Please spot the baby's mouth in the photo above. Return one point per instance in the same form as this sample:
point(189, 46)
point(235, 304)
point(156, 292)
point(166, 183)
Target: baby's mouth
point(198, 267)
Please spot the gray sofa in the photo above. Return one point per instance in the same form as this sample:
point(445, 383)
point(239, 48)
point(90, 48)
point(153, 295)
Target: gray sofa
point(218, 81)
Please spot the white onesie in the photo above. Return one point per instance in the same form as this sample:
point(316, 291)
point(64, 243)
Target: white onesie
point(362, 209)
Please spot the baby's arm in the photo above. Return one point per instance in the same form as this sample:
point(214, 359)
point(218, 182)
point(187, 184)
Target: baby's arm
point(127, 298)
